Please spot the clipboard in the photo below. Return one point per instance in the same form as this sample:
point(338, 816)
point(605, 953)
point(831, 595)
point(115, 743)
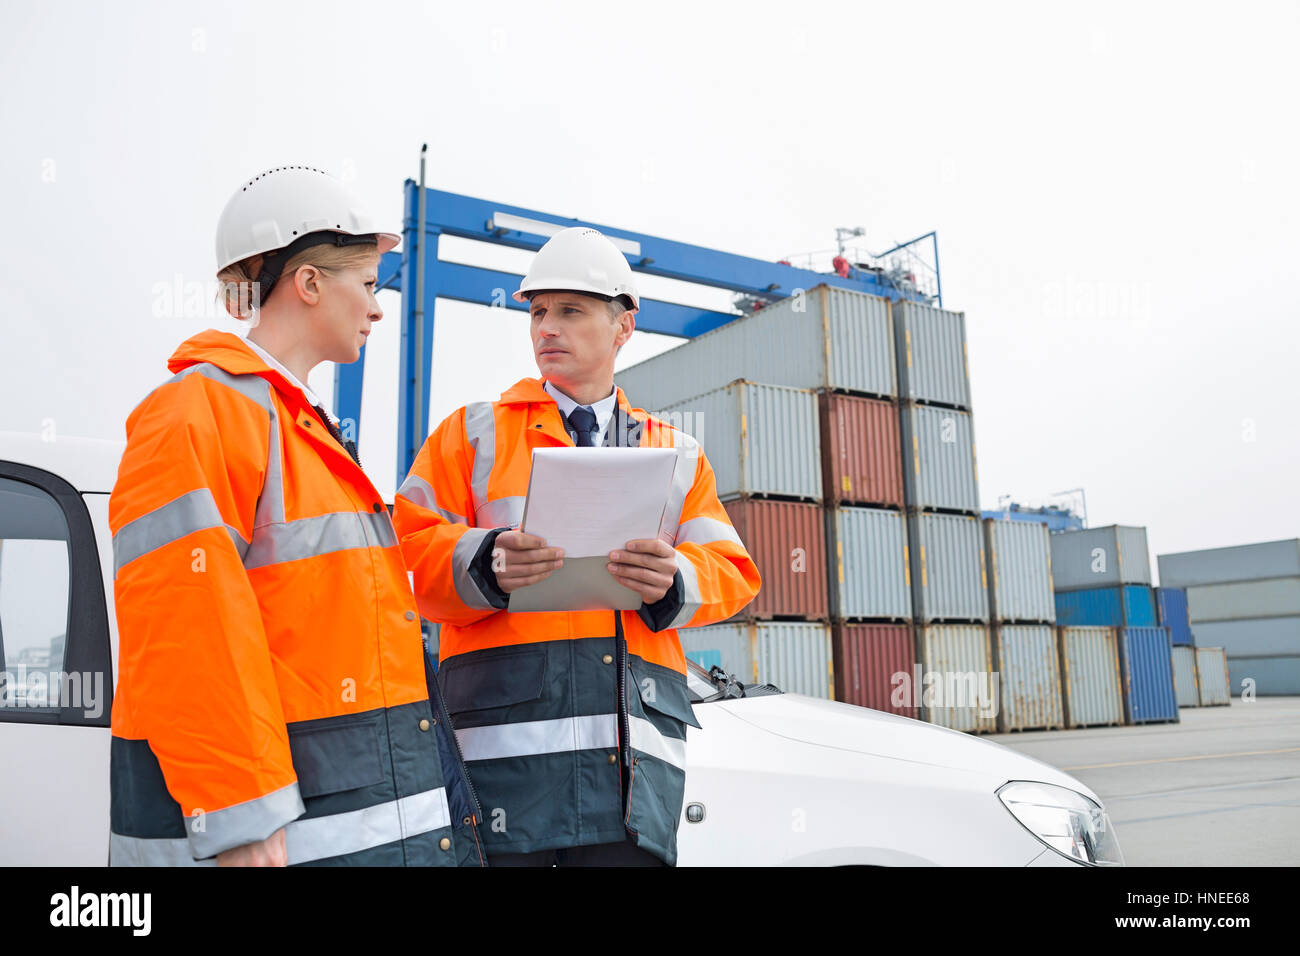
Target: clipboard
point(581, 499)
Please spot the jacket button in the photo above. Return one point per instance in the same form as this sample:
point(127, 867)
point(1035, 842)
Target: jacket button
point(613, 758)
point(378, 507)
point(468, 820)
point(424, 725)
point(306, 423)
point(410, 615)
point(608, 658)
point(444, 843)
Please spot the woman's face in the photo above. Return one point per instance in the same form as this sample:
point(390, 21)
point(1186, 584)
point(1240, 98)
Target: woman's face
point(347, 309)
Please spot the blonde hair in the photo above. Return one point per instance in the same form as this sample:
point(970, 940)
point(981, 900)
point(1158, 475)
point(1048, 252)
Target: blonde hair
point(238, 280)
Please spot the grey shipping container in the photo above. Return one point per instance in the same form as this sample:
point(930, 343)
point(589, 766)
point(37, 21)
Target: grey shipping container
point(1259, 637)
point(868, 564)
point(939, 469)
point(1090, 676)
point(1186, 687)
point(1027, 662)
point(958, 688)
point(932, 363)
point(793, 655)
point(1272, 597)
point(1264, 676)
point(1018, 557)
point(760, 439)
point(822, 338)
point(948, 579)
point(1100, 557)
point(1246, 562)
point(1212, 677)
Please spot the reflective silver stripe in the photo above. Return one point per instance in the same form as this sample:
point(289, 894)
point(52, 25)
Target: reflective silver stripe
point(692, 599)
point(320, 534)
point(357, 830)
point(270, 505)
point(244, 822)
point(502, 513)
point(480, 433)
point(419, 492)
point(461, 558)
point(646, 738)
point(564, 734)
point(688, 453)
point(193, 511)
point(705, 531)
point(306, 840)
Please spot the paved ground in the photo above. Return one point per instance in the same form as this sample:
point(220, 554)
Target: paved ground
point(1222, 787)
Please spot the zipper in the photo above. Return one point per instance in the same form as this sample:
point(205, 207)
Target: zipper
point(625, 739)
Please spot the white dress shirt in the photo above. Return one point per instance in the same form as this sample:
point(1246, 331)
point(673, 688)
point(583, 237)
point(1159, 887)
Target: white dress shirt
point(604, 410)
point(275, 363)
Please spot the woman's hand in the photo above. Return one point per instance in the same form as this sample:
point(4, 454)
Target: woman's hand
point(268, 852)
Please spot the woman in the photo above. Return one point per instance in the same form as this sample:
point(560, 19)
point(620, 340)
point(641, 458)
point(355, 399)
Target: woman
point(273, 703)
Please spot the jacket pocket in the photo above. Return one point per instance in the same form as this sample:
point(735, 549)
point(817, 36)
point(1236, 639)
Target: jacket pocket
point(483, 680)
point(662, 690)
point(332, 759)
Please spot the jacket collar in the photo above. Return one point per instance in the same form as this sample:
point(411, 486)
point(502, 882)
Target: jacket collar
point(229, 352)
point(624, 428)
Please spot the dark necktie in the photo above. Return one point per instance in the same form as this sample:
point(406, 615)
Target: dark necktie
point(348, 446)
point(583, 421)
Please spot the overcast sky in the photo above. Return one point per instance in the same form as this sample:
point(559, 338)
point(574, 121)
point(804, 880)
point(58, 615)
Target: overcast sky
point(1114, 189)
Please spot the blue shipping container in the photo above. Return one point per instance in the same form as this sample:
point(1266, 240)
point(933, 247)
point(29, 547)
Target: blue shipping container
point(1146, 663)
point(1128, 606)
point(1171, 608)
point(706, 659)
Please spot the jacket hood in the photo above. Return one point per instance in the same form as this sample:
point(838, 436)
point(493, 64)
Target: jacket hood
point(227, 351)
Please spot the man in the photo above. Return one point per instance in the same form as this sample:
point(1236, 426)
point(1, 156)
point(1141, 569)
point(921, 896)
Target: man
point(573, 724)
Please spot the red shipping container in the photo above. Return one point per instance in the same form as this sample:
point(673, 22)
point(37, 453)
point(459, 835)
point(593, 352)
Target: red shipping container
point(866, 658)
point(787, 540)
point(862, 462)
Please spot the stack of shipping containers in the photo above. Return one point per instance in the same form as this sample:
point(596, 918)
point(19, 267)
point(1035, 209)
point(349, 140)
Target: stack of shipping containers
point(1102, 578)
point(1244, 606)
point(950, 602)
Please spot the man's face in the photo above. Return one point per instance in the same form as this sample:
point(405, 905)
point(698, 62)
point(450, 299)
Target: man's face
point(574, 338)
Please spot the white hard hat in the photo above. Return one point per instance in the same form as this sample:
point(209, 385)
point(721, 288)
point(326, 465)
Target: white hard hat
point(281, 207)
point(580, 259)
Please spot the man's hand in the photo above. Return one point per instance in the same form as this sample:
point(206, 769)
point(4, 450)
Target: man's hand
point(520, 559)
point(647, 567)
point(268, 852)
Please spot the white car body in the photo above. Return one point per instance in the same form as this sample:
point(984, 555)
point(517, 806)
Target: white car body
point(781, 779)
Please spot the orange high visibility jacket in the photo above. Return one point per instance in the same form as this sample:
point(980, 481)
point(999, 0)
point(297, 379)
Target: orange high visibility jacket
point(271, 665)
point(572, 724)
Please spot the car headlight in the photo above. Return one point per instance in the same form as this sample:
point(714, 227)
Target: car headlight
point(1068, 822)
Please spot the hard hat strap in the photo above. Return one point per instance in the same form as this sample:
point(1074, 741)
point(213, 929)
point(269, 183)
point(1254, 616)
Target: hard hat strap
point(273, 262)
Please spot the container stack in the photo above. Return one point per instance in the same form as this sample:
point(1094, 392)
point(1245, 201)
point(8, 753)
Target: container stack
point(1023, 613)
point(1245, 601)
point(1102, 578)
point(796, 408)
point(950, 601)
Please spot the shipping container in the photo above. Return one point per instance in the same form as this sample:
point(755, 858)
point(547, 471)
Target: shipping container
point(760, 439)
point(1187, 687)
point(869, 574)
point(1129, 606)
point(1147, 667)
point(1019, 564)
point(1246, 562)
point(1264, 676)
point(1259, 637)
point(939, 471)
point(1028, 666)
point(787, 540)
point(1171, 612)
point(957, 687)
point(823, 338)
point(872, 663)
point(1212, 677)
point(1090, 676)
point(948, 579)
point(1269, 597)
point(862, 462)
point(793, 655)
point(1100, 557)
point(932, 364)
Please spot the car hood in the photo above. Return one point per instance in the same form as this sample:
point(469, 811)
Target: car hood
point(843, 726)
